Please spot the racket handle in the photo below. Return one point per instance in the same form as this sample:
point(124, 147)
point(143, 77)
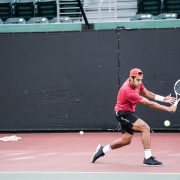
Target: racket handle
point(176, 103)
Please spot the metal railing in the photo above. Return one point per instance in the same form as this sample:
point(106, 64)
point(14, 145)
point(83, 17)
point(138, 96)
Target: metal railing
point(96, 10)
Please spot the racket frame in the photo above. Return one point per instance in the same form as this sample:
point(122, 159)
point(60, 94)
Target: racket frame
point(176, 93)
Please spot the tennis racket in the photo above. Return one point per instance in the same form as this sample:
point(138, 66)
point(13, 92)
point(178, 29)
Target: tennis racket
point(177, 92)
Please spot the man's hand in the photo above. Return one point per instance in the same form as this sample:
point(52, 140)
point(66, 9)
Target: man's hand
point(169, 99)
point(158, 106)
point(172, 108)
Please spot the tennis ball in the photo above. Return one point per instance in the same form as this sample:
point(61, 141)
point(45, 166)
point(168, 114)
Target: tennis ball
point(167, 123)
point(81, 132)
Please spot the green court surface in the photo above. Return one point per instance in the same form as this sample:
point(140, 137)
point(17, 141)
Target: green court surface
point(89, 176)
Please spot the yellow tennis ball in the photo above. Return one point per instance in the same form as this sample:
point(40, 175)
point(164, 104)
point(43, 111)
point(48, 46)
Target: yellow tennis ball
point(167, 123)
point(81, 132)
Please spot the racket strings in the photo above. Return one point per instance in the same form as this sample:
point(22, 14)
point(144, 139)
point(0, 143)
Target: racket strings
point(177, 88)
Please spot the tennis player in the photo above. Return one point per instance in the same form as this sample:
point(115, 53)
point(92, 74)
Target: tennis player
point(128, 97)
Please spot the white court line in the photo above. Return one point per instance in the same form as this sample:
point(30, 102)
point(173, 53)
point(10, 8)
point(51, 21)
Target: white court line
point(16, 154)
point(131, 173)
point(49, 154)
point(89, 176)
point(21, 158)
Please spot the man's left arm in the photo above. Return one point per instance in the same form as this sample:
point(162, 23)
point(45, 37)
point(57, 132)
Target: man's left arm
point(148, 94)
point(151, 95)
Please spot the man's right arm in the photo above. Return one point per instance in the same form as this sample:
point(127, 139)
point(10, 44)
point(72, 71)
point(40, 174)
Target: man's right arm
point(157, 106)
point(151, 95)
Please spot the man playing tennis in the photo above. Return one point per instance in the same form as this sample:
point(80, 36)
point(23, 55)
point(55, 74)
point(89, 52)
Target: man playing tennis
point(128, 97)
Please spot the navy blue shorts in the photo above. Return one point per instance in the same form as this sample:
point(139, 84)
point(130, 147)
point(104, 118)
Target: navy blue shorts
point(126, 119)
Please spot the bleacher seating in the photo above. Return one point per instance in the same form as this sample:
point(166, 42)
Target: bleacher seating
point(68, 11)
point(38, 20)
point(166, 16)
point(153, 7)
point(172, 6)
point(1, 22)
point(15, 21)
point(70, 8)
point(63, 19)
point(24, 8)
point(46, 8)
point(142, 17)
point(5, 9)
point(28, 9)
point(160, 9)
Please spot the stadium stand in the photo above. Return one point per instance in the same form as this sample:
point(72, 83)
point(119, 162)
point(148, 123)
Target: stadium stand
point(15, 21)
point(142, 17)
point(71, 9)
point(5, 9)
point(62, 20)
point(38, 20)
point(172, 6)
point(160, 9)
point(46, 8)
point(126, 9)
point(153, 7)
point(108, 10)
point(166, 16)
point(24, 9)
point(96, 11)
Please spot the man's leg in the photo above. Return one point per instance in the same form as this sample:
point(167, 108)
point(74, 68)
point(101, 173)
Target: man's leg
point(123, 141)
point(143, 127)
point(100, 150)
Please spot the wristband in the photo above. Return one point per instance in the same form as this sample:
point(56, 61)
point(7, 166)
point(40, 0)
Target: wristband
point(159, 98)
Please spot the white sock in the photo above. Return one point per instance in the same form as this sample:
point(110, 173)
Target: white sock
point(147, 153)
point(107, 148)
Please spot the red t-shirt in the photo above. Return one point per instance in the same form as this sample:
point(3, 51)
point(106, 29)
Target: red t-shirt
point(128, 97)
